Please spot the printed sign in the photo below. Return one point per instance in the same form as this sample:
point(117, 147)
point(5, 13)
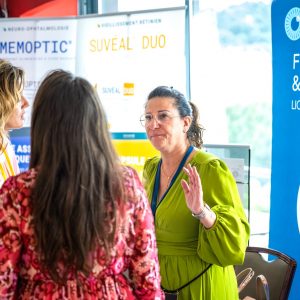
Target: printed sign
point(285, 179)
point(124, 56)
point(134, 153)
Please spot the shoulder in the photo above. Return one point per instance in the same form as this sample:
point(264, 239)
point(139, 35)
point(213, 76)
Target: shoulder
point(151, 164)
point(15, 194)
point(206, 160)
point(7, 147)
point(8, 160)
point(129, 174)
point(131, 180)
point(134, 192)
point(22, 182)
point(202, 157)
point(150, 168)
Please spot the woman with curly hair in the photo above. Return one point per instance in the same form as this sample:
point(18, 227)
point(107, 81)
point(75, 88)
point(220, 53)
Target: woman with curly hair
point(12, 112)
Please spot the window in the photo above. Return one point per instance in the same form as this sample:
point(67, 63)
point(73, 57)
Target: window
point(231, 82)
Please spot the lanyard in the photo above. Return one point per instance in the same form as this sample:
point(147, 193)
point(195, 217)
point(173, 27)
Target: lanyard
point(157, 180)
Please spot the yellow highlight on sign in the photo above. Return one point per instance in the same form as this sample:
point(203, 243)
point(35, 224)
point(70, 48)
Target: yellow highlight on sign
point(134, 153)
point(128, 89)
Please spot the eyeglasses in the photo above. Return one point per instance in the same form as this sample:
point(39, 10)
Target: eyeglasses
point(161, 118)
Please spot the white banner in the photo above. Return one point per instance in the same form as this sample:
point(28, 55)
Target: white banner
point(38, 46)
point(124, 56)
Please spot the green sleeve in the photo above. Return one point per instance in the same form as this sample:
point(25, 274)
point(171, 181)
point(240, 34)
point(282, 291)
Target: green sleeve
point(224, 243)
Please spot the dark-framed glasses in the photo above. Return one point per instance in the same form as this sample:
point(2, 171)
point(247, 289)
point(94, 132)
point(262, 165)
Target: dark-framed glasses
point(161, 118)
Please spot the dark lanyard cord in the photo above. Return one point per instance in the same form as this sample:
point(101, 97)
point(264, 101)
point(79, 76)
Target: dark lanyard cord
point(157, 180)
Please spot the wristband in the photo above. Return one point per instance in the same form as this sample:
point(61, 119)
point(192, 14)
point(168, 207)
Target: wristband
point(203, 213)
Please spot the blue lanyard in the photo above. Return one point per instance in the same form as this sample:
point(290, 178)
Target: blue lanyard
point(157, 180)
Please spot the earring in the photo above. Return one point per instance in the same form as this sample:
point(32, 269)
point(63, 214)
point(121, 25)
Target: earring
point(184, 131)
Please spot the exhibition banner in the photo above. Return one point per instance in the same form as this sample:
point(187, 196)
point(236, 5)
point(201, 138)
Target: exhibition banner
point(135, 152)
point(38, 46)
point(124, 56)
point(285, 178)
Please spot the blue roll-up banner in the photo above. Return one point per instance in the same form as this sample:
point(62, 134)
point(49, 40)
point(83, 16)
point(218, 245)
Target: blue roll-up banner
point(20, 140)
point(285, 179)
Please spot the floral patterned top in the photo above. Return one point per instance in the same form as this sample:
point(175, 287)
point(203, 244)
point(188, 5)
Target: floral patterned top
point(131, 273)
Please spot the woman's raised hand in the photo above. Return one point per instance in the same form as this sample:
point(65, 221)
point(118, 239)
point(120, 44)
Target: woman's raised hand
point(193, 190)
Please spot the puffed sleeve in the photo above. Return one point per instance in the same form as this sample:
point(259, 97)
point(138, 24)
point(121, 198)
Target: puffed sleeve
point(225, 243)
point(10, 239)
point(143, 266)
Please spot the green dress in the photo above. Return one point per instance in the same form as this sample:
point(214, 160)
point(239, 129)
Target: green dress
point(185, 247)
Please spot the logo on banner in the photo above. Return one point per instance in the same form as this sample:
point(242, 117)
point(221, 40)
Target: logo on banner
point(34, 47)
point(128, 89)
point(292, 24)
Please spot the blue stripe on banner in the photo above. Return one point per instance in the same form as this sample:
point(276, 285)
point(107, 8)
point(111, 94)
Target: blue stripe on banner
point(21, 145)
point(129, 135)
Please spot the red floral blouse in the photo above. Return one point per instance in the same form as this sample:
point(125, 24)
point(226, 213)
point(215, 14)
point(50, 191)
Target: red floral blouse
point(132, 272)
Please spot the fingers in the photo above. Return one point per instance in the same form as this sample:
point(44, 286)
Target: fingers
point(193, 186)
point(194, 179)
point(185, 186)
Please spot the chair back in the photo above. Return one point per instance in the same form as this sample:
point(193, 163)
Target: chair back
point(278, 269)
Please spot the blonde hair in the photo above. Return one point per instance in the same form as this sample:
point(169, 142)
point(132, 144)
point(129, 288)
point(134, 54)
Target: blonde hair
point(11, 87)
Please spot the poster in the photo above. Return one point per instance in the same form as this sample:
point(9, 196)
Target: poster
point(124, 56)
point(285, 177)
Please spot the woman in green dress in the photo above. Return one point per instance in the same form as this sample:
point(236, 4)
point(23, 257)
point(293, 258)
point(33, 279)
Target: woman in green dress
point(201, 227)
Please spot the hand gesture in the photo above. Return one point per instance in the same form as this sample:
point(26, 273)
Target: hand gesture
point(193, 190)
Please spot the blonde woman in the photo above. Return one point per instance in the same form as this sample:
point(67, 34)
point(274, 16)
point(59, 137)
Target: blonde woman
point(12, 110)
